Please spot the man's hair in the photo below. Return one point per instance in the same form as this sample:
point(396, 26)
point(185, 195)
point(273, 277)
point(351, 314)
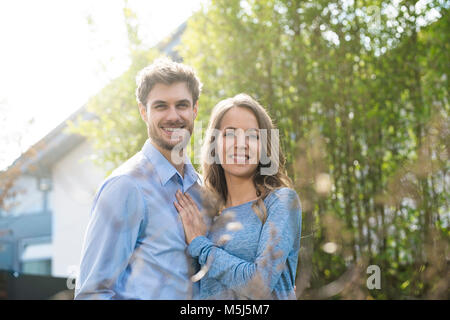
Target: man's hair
point(166, 71)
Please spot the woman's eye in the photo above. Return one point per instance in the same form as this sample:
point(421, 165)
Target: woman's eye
point(253, 135)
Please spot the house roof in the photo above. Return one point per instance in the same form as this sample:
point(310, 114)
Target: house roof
point(48, 150)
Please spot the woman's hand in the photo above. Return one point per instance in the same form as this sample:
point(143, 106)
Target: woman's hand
point(191, 217)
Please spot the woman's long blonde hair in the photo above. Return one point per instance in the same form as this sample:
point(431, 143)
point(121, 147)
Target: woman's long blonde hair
point(213, 173)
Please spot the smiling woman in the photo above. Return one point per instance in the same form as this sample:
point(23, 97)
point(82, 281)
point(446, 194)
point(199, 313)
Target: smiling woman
point(239, 142)
point(259, 259)
point(235, 145)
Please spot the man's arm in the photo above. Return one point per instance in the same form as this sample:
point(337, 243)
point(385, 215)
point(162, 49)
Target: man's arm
point(113, 229)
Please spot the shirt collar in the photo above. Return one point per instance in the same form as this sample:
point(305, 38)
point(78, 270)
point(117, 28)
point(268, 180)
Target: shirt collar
point(190, 175)
point(165, 169)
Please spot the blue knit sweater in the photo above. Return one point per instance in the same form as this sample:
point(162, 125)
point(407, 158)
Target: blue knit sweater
point(259, 261)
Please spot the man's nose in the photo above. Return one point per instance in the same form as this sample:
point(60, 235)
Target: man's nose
point(172, 114)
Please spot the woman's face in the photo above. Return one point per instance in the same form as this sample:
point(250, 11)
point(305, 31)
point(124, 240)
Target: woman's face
point(238, 143)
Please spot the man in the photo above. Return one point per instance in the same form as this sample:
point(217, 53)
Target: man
point(135, 245)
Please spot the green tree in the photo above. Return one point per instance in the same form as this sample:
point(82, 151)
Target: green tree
point(359, 91)
point(115, 129)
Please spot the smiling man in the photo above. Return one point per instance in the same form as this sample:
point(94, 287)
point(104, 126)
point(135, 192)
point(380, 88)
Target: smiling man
point(135, 245)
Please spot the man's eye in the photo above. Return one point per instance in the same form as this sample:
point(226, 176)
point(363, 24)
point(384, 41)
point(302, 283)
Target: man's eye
point(183, 105)
point(159, 106)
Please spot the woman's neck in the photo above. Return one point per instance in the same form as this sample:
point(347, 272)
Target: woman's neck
point(240, 190)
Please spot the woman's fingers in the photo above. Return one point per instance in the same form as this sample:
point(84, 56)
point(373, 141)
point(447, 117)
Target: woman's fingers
point(184, 219)
point(178, 207)
point(189, 199)
point(188, 203)
point(187, 211)
point(193, 223)
point(184, 214)
point(181, 199)
point(193, 205)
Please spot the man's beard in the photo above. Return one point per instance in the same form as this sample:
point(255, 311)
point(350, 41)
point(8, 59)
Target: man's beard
point(155, 136)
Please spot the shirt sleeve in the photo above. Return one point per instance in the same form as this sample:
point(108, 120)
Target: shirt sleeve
point(278, 238)
point(110, 239)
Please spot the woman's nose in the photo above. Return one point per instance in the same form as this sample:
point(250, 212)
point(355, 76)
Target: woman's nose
point(241, 140)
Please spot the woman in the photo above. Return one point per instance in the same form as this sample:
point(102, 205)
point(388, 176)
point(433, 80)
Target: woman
point(251, 250)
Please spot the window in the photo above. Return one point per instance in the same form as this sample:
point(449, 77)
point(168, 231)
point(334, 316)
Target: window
point(41, 267)
point(37, 259)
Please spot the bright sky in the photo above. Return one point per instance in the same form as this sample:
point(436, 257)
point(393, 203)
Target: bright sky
point(52, 60)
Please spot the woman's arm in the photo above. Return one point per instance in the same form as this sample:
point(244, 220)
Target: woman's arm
point(279, 233)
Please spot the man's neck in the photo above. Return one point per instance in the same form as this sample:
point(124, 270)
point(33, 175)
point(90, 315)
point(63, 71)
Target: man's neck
point(168, 155)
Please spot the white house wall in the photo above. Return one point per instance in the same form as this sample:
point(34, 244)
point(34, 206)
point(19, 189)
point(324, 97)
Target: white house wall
point(28, 198)
point(75, 182)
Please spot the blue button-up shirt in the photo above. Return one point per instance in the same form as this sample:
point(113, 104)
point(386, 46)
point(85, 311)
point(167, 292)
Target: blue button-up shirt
point(135, 246)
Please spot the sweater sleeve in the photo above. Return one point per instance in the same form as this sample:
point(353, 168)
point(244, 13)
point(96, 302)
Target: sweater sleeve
point(278, 238)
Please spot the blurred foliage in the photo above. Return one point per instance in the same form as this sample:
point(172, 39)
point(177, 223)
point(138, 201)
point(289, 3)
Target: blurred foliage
point(359, 91)
point(117, 132)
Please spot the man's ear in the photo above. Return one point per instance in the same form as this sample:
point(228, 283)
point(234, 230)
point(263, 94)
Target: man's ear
point(143, 112)
point(195, 110)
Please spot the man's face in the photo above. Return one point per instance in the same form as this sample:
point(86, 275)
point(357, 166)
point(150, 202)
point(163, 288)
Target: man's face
point(169, 114)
